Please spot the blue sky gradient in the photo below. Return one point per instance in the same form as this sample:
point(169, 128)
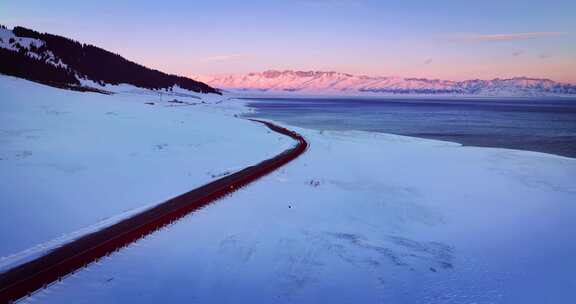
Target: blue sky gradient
point(435, 39)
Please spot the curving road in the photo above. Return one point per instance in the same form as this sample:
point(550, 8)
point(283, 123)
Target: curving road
point(31, 276)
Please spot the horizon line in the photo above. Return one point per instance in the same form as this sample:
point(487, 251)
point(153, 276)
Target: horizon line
point(193, 75)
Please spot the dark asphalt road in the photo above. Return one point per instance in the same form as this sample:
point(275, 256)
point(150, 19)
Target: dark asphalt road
point(31, 276)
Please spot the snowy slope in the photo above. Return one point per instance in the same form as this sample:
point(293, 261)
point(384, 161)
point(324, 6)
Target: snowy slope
point(362, 218)
point(64, 63)
point(342, 83)
point(71, 160)
point(31, 47)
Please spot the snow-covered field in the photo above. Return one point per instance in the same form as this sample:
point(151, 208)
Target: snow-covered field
point(360, 218)
point(71, 162)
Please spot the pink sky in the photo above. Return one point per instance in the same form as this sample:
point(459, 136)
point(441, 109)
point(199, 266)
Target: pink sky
point(432, 39)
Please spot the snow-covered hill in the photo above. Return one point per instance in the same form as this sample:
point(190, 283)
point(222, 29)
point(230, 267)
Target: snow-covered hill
point(343, 83)
point(65, 63)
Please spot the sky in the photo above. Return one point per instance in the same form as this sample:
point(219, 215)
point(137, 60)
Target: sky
point(434, 39)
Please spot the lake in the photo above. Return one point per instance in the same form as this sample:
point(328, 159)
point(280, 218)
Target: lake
point(535, 124)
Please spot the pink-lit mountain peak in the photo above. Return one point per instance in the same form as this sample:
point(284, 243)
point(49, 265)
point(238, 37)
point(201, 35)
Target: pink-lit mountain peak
point(343, 83)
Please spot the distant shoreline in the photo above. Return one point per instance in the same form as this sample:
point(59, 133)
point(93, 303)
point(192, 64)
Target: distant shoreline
point(255, 94)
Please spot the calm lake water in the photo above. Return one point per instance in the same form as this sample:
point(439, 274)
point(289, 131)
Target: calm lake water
point(543, 125)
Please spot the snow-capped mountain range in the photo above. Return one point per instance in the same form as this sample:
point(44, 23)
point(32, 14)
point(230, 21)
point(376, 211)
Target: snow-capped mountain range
point(317, 82)
point(59, 61)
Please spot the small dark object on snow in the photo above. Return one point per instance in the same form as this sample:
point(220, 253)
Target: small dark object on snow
point(289, 206)
point(314, 183)
point(149, 103)
point(432, 269)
